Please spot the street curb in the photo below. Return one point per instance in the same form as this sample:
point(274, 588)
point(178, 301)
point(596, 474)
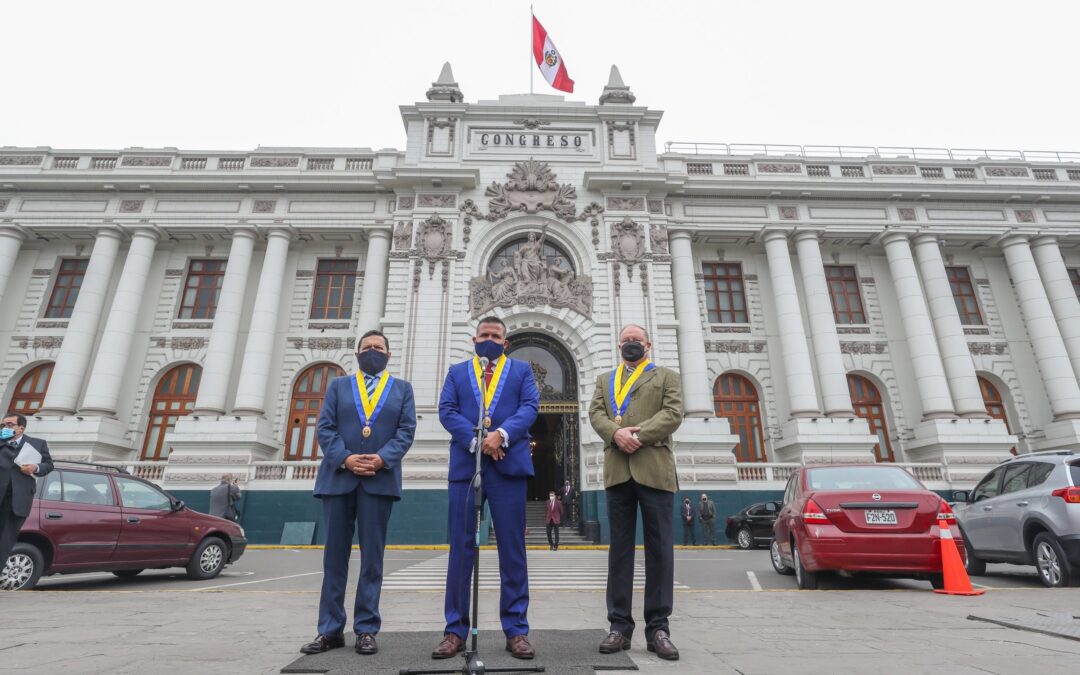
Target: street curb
point(446, 547)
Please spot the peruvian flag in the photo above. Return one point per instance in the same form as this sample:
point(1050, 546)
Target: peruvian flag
point(549, 60)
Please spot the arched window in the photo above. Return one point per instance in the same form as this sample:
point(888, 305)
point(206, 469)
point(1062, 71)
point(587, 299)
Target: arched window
point(173, 399)
point(736, 399)
point(31, 389)
point(995, 405)
point(869, 406)
point(301, 441)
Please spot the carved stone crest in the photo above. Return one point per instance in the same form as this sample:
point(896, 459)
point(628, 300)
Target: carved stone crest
point(627, 241)
point(434, 238)
point(532, 188)
point(403, 235)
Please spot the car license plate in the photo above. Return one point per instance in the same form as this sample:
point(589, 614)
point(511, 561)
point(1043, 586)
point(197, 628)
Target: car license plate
point(880, 517)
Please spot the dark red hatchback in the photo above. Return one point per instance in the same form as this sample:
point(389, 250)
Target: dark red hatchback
point(96, 518)
point(874, 518)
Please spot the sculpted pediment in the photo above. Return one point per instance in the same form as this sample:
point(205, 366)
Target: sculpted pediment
point(531, 188)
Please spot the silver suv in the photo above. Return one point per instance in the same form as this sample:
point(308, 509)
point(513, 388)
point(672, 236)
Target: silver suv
point(1026, 512)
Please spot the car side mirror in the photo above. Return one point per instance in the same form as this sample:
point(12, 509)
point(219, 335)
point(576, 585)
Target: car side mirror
point(961, 496)
point(178, 505)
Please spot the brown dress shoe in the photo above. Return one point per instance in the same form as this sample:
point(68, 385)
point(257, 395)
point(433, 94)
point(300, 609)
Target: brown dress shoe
point(451, 645)
point(519, 647)
point(365, 644)
point(614, 643)
point(662, 645)
point(323, 643)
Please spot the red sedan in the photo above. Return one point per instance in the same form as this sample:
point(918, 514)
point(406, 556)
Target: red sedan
point(875, 519)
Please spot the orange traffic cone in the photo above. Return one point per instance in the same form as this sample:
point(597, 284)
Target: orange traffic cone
point(952, 568)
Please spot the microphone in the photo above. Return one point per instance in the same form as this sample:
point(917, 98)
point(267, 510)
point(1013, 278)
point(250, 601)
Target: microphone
point(484, 361)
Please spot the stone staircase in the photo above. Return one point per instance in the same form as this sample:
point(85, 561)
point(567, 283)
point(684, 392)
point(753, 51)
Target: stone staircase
point(535, 512)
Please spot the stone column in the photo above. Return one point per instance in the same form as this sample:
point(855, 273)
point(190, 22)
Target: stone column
point(835, 394)
point(258, 354)
point(1050, 353)
point(107, 375)
point(220, 352)
point(798, 370)
point(697, 399)
point(11, 240)
point(373, 295)
point(922, 344)
point(62, 397)
point(955, 355)
point(1062, 295)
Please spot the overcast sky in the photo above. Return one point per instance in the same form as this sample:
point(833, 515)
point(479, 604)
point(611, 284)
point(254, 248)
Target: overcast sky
point(235, 75)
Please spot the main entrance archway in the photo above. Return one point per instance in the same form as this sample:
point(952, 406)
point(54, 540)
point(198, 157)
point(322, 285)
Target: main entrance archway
point(555, 436)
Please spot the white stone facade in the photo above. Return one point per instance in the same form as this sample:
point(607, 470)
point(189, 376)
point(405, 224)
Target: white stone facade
point(425, 222)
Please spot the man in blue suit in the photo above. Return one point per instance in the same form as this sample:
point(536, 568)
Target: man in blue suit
point(366, 426)
point(506, 393)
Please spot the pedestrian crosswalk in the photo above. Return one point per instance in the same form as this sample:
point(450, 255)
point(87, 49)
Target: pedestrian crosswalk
point(548, 571)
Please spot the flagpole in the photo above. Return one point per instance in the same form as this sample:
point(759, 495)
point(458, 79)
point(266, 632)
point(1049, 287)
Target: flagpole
point(531, 38)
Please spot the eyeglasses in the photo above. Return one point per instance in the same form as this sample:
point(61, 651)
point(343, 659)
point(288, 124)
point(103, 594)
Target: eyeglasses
point(9, 425)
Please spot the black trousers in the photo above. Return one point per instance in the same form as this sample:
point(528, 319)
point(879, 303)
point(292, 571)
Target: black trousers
point(656, 506)
point(552, 527)
point(10, 524)
point(688, 535)
point(708, 532)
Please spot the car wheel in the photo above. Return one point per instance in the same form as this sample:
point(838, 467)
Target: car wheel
point(806, 580)
point(778, 560)
point(1050, 561)
point(24, 567)
point(208, 560)
point(127, 574)
point(745, 539)
point(972, 565)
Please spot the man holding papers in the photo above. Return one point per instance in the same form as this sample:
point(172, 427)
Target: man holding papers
point(21, 459)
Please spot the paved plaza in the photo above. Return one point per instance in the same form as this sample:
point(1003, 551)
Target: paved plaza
point(733, 614)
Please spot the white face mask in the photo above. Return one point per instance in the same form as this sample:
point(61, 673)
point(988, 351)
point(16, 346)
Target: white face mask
point(551, 497)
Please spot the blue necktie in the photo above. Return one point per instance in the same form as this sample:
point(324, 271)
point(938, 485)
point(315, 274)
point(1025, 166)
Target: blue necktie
point(369, 383)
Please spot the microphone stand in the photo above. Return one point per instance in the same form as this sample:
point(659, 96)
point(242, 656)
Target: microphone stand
point(473, 664)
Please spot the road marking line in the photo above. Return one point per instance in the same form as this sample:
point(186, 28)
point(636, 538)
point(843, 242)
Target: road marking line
point(257, 581)
point(753, 580)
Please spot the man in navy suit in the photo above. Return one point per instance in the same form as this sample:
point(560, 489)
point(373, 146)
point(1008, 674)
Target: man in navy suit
point(506, 393)
point(366, 426)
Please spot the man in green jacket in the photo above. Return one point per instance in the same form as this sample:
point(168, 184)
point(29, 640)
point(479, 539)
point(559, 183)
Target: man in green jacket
point(635, 410)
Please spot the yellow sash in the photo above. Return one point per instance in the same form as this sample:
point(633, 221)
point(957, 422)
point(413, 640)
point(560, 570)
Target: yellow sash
point(489, 391)
point(370, 402)
point(623, 390)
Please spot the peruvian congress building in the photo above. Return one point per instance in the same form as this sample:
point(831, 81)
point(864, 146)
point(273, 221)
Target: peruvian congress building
point(179, 313)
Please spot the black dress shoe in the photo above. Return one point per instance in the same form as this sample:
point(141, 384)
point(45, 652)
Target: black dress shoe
point(365, 644)
point(614, 643)
point(323, 643)
point(662, 645)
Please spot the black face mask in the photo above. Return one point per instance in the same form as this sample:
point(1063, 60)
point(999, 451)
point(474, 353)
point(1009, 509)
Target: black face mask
point(633, 351)
point(372, 362)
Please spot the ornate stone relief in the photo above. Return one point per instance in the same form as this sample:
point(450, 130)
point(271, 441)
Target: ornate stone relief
point(906, 213)
point(789, 213)
point(656, 207)
point(51, 324)
point(626, 203)
point(863, 347)
point(403, 235)
point(188, 343)
point(438, 201)
point(406, 203)
point(275, 162)
point(988, 348)
point(531, 281)
point(193, 325)
point(893, 170)
point(3, 204)
point(779, 167)
point(41, 342)
point(305, 274)
point(729, 329)
point(1025, 216)
point(131, 205)
point(1006, 172)
point(158, 162)
point(532, 188)
point(976, 331)
point(532, 123)
point(853, 330)
point(174, 273)
point(734, 346)
point(449, 123)
point(264, 206)
point(21, 160)
point(658, 236)
point(323, 325)
point(629, 128)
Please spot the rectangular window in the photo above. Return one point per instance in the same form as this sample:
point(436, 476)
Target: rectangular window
point(335, 282)
point(66, 289)
point(201, 291)
point(963, 292)
point(844, 290)
point(725, 299)
point(1074, 277)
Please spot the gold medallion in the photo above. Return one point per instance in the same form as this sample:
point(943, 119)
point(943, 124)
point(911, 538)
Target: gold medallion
point(618, 419)
point(487, 422)
point(367, 431)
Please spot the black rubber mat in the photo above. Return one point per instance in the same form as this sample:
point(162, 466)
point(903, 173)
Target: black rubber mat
point(562, 652)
